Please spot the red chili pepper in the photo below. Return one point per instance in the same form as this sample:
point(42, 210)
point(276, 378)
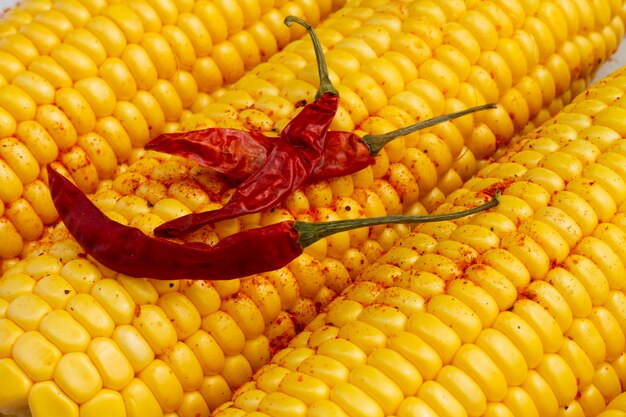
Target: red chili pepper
point(289, 164)
point(235, 153)
point(129, 251)
point(345, 153)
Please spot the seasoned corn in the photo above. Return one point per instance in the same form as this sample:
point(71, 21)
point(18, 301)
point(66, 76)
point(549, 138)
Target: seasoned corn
point(82, 83)
point(514, 312)
point(413, 334)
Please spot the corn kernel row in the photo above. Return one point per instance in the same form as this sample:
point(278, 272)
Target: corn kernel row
point(519, 311)
point(84, 84)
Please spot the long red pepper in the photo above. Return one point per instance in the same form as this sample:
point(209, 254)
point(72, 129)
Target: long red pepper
point(289, 164)
point(345, 153)
point(129, 251)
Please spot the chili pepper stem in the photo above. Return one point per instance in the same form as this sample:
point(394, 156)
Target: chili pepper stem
point(326, 86)
point(376, 142)
point(310, 233)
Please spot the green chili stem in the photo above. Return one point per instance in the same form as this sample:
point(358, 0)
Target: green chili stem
point(326, 86)
point(310, 233)
point(376, 142)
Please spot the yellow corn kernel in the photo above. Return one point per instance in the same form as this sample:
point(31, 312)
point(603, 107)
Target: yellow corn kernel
point(47, 395)
point(105, 401)
point(37, 87)
point(88, 312)
point(226, 332)
point(18, 385)
point(550, 299)
point(77, 376)
point(181, 312)
point(87, 43)
point(36, 356)
point(113, 366)
point(155, 327)
point(163, 383)
point(19, 46)
point(20, 159)
point(181, 359)
point(139, 400)
point(17, 102)
point(27, 311)
point(134, 346)
point(72, 338)
point(610, 331)
point(55, 290)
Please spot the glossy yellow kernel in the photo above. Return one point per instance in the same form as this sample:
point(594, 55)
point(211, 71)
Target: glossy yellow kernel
point(163, 384)
point(77, 109)
point(12, 187)
point(20, 47)
point(347, 396)
point(48, 395)
point(604, 257)
point(36, 355)
point(88, 312)
point(17, 102)
point(151, 111)
point(24, 218)
point(181, 46)
point(114, 367)
point(77, 376)
point(15, 395)
point(27, 311)
point(127, 19)
point(99, 151)
point(133, 121)
point(105, 401)
point(37, 87)
point(587, 336)
point(436, 333)
point(108, 33)
point(81, 274)
point(609, 329)
point(88, 43)
point(119, 78)
point(115, 299)
point(225, 330)
point(10, 332)
point(55, 290)
point(134, 347)
point(65, 332)
point(139, 400)
point(20, 159)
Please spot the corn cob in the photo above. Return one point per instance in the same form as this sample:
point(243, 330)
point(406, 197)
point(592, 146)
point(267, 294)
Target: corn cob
point(85, 83)
point(516, 312)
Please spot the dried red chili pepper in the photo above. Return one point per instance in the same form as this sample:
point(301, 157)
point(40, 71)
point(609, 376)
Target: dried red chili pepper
point(235, 153)
point(289, 164)
point(345, 152)
point(129, 251)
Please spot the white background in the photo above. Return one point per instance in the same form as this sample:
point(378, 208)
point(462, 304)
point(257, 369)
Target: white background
point(618, 60)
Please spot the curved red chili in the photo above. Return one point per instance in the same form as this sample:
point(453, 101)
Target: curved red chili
point(289, 164)
point(345, 152)
point(128, 250)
